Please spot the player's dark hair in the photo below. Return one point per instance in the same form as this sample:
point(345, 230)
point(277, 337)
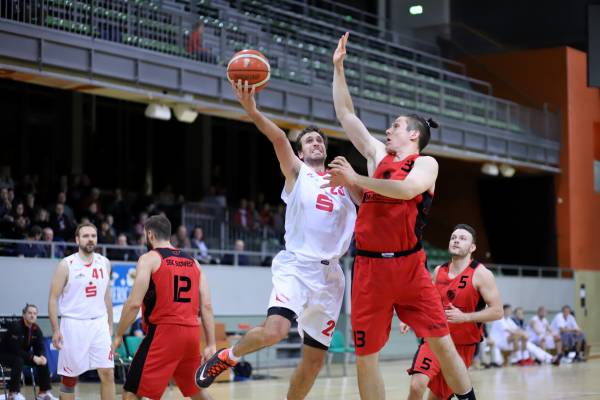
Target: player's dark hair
point(27, 306)
point(416, 122)
point(84, 225)
point(504, 307)
point(160, 225)
point(308, 129)
point(467, 228)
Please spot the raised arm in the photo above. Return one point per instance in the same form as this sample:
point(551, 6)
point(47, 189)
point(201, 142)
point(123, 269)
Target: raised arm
point(288, 161)
point(208, 319)
point(59, 280)
point(420, 179)
point(372, 149)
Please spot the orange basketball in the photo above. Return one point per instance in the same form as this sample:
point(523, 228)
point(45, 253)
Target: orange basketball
point(251, 66)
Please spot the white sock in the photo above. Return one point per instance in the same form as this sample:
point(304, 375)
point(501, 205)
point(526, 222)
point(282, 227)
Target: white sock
point(232, 356)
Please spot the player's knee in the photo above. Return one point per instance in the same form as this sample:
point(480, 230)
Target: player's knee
point(275, 334)
point(67, 384)
point(314, 364)
point(417, 386)
point(106, 374)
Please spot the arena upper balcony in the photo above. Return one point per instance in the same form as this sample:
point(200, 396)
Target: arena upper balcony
point(140, 51)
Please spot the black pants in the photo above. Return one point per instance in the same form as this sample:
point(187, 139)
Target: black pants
point(16, 364)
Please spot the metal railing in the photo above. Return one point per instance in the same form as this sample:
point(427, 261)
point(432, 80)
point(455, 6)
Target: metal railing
point(9, 247)
point(297, 55)
point(56, 250)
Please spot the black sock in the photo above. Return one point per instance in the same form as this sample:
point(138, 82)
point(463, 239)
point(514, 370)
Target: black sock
point(467, 396)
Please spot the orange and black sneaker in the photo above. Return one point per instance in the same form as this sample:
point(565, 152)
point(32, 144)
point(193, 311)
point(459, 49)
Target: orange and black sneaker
point(208, 372)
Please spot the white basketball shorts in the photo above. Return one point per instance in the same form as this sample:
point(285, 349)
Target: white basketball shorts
point(86, 345)
point(312, 290)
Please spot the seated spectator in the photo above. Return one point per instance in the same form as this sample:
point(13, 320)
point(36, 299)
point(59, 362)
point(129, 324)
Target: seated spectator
point(198, 243)
point(487, 353)
point(518, 318)
point(508, 337)
point(32, 249)
point(180, 239)
point(138, 228)
point(61, 198)
point(267, 218)
point(5, 205)
point(122, 254)
point(61, 224)
point(93, 213)
point(41, 218)
point(241, 217)
point(242, 259)
point(105, 236)
point(540, 333)
point(195, 46)
point(572, 338)
point(23, 344)
point(212, 198)
point(18, 230)
point(30, 207)
point(48, 236)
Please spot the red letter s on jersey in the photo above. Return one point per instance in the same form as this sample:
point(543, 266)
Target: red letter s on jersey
point(324, 203)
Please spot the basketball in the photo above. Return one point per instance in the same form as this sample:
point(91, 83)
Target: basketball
point(251, 66)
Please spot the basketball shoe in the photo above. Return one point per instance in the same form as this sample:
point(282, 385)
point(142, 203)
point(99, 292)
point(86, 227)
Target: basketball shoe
point(208, 372)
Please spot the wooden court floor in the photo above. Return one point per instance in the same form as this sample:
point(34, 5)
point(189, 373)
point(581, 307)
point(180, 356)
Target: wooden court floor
point(567, 382)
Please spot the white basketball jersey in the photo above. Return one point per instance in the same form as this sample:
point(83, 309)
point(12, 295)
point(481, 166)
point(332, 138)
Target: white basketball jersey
point(318, 222)
point(83, 295)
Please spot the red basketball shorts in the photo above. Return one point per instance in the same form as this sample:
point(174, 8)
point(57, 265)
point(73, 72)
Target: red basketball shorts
point(381, 286)
point(168, 351)
point(426, 363)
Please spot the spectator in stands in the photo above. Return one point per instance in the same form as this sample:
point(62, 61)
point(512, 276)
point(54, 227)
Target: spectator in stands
point(508, 337)
point(120, 209)
point(198, 243)
point(212, 198)
point(93, 197)
point(61, 198)
point(195, 45)
point(30, 207)
point(5, 205)
point(540, 333)
point(572, 338)
point(61, 224)
point(6, 180)
point(138, 228)
point(267, 218)
point(93, 213)
point(41, 218)
point(19, 229)
point(48, 236)
point(32, 249)
point(180, 239)
point(242, 259)
point(122, 254)
point(105, 236)
point(279, 220)
point(518, 318)
point(24, 345)
point(140, 240)
point(19, 211)
point(241, 217)
point(254, 215)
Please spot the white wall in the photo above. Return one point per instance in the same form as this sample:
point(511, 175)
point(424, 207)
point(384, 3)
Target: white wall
point(244, 291)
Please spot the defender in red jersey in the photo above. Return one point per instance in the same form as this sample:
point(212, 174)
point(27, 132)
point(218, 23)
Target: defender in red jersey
point(172, 291)
point(470, 298)
point(390, 274)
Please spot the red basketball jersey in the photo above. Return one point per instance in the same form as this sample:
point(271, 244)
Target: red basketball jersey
point(463, 295)
point(391, 225)
point(173, 296)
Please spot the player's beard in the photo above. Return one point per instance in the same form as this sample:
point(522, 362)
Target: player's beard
point(458, 253)
point(87, 248)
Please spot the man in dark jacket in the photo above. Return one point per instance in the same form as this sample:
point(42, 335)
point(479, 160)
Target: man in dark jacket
point(23, 344)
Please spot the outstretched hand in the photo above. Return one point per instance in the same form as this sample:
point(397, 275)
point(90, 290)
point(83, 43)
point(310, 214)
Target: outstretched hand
point(341, 173)
point(245, 94)
point(340, 53)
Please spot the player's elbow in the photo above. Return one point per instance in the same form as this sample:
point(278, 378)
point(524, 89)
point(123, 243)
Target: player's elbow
point(498, 313)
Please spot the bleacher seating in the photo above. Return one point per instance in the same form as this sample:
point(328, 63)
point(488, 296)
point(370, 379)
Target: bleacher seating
point(298, 38)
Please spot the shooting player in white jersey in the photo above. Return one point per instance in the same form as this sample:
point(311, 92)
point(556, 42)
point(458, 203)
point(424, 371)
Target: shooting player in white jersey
point(308, 282)
point(81, 290)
